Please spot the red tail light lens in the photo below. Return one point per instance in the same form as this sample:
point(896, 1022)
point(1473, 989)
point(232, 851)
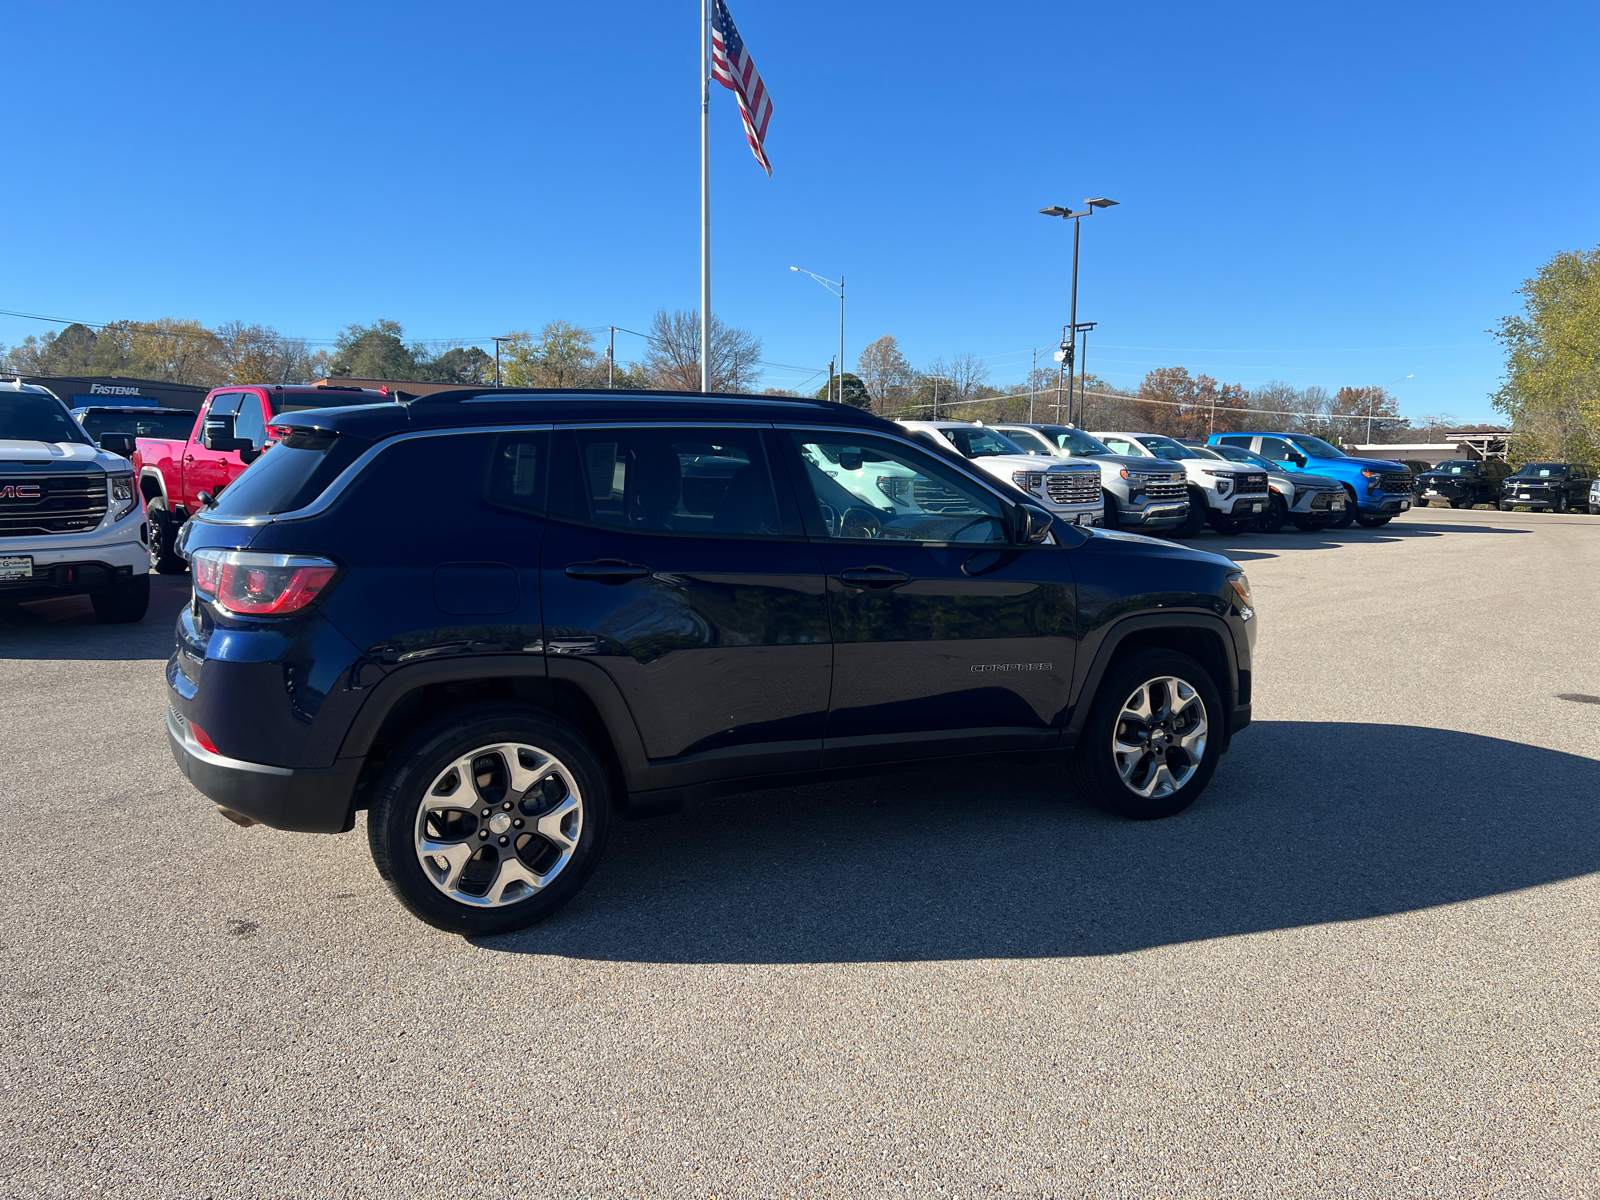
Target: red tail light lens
point(250, 584)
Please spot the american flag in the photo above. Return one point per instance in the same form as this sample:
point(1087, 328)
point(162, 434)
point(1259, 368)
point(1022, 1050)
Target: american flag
point(736, 70)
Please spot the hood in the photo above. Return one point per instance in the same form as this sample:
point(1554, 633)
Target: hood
point(1174, 548)
point(1312, 480)
point(58, 456)
point(1003, 464)
point(1373, 464)
point(1134, 463)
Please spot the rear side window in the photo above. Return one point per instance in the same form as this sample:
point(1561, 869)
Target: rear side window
point(665, 480)
point(289, 475)
point(518, 466)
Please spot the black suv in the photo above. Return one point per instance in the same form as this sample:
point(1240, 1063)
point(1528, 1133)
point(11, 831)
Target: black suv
point(1554, 486)
point(494, 619)
point(1461, 483)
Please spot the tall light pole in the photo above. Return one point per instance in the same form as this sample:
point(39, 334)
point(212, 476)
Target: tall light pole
point(1372, 404)
point(1066, 214)
point(830, 284)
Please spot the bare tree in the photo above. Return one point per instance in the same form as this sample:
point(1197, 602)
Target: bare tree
point(885, 372)
point(673, 361)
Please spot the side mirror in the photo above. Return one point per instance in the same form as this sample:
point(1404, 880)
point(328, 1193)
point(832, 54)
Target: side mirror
point(1033, 525)
point(118, 443)
point(218, 436)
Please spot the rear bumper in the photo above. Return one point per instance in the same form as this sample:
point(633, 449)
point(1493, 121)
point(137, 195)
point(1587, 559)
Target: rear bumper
point(305, 800)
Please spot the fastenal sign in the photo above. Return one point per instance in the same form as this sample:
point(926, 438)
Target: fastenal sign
point(101, 389)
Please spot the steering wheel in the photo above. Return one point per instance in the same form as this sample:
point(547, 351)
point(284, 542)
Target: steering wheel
point(830, 519)
point(859, 523)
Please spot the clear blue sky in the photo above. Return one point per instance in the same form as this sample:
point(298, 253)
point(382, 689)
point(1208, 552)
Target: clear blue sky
point(1322, 194)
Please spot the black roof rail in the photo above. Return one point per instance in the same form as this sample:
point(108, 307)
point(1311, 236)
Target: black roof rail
point(463, 394)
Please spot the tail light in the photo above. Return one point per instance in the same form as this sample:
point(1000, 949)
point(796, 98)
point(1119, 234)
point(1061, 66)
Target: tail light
point(250, 584)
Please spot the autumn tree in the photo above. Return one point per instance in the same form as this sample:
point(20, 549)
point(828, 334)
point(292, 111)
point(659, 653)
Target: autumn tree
point(884, 372)
point(562, 356)
point(1365, 413)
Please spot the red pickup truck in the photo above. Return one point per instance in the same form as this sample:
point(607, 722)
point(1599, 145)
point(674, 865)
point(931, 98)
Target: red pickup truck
point(230, 432)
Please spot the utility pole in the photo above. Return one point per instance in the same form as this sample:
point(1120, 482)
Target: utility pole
point(497, 342)
point(830, 381)
point(1033, 383)
point(611, 359)
point(1069, 344)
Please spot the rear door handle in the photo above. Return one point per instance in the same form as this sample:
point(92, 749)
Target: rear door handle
point(607, 570)
point(874, 577)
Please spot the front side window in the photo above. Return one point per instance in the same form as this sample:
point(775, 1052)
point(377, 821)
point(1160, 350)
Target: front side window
point(1316, 446)
point(974, 442)
point(665, 480)
point(864, 488)
point(1076, 441)
point(1278, 450)
point(250, 423)
point(225, 405)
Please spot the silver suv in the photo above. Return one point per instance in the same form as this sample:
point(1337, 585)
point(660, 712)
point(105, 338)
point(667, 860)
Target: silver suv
point(1309, 502)
point(1136, 493)
point(1069, 490)
point(1229, 497)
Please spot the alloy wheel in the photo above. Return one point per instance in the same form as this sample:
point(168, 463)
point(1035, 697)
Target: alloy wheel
point(1159, 739)
point(499, 824)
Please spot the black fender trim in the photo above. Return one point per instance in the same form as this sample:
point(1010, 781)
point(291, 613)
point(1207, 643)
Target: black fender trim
point(1237, 713)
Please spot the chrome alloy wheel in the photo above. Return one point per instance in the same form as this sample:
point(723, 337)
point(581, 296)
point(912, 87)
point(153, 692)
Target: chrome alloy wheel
point(499, 824)
point(1159, 739)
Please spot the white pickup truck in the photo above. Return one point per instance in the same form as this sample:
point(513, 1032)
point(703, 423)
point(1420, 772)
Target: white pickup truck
point(71, 520)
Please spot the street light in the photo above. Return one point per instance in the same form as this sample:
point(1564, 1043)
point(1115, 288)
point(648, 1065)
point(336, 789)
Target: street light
point(1069, 342)
point(830, 284)
point(1372, 403)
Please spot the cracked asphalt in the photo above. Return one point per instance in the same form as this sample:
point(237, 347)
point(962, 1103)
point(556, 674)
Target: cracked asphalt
point(1364, 964)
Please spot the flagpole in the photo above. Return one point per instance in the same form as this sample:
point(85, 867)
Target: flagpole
point(705, 199)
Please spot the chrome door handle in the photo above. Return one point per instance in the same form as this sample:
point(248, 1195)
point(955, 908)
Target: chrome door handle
point(607, 570)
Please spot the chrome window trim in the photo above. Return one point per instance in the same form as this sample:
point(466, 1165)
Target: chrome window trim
point(346, 477)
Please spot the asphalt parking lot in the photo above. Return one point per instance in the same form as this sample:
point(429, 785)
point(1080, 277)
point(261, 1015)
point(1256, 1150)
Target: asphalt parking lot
point(1365, 964)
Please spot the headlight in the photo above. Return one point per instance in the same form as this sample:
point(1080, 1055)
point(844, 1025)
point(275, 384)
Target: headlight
point(122, 495)
point(896, 487)
point(1239, 583)
point(1029, 481)
point(1224, 480)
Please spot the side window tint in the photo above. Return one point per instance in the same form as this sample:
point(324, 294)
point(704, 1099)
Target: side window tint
point(1236, 440)
point(666, 480)
point(869, 489)
point(225, 405)
point(517, 471)
point(1278, 450)
point(250, 423)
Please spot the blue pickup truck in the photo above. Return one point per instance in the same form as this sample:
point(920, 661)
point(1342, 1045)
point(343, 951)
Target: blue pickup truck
point(1379, 490)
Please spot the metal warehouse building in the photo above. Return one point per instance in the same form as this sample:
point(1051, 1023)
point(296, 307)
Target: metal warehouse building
point(81, 390)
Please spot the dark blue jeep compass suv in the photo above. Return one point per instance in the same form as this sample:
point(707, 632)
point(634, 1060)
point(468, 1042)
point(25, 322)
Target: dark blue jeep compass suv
point(496, 619)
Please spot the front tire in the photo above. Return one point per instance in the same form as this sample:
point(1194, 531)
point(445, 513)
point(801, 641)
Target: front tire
point(1276, 516)
point(123, 604)
point(1153, 736)
point(1112, 518)
point(164, 559)
point(490, 818)
point(1196, 520)
point(1348, 516)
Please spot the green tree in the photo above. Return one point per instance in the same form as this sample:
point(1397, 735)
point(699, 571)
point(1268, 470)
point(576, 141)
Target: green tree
point(1551, 389)
point(562, 356)
point(885, 372)
point(375, 351)
point(469, 366)
point(851, 387)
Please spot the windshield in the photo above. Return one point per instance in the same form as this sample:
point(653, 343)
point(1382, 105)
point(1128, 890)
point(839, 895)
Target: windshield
point(1031, 440)
point(30, 417)
point(175, 426)
point(1316, 446)
point(974, 442)
point(1240, 455)
point(1075, 441)
point(1165, 447)
point(1543, 471)
point(1464, 467)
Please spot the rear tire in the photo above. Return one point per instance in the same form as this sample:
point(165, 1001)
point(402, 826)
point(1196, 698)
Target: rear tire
point(1196, 520)
point(164, 559)
point(123, 604)
point(541, 839)
point(1130, 784)
point(1459, 504)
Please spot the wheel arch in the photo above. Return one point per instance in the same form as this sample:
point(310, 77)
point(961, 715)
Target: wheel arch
point(152, 484)
point(1204, 638)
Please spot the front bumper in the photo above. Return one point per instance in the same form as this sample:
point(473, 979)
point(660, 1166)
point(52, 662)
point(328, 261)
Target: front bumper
point(304, 800)
point(1384, 504)
point(1246, 504)
point(80, 578)
point(1153, 513)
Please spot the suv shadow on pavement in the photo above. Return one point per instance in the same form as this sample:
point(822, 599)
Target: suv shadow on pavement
point(1251, 547)
point(1004, 864)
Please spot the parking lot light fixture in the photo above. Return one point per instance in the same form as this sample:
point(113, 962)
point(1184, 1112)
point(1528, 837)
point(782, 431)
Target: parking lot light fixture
point(1069, 340)
point(830, 284)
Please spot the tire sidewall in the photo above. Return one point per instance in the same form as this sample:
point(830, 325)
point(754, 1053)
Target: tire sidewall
point(1095, 768)
point(391, 823)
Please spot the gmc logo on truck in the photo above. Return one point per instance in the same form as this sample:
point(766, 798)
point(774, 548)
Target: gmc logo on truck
point(19, 491)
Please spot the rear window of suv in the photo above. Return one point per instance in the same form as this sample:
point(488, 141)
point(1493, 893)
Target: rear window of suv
point(289, 475)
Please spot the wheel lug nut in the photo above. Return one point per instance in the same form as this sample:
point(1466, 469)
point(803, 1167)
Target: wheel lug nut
point(518, 822)
point(483, 833)
point(486, 812)
point(503, 841)
point(506, 806)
